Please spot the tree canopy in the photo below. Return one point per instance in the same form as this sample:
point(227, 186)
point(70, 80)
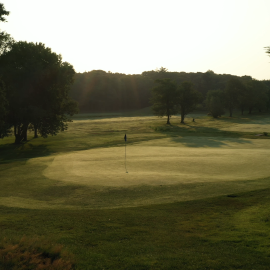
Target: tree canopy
point(164, 98)
point(37, 84)
point(5, 39)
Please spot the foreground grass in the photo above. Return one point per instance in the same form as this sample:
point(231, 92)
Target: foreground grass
point(228, 232)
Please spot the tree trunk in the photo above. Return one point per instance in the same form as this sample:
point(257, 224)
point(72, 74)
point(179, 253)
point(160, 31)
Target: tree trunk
point(242, 110)
point(36, 130)
point(230, 112)
point(182, 116)
point(250, 109)
point(21, 133)
point(24, 134)
point(17, 133)
point(182, 119)
point(168, 120)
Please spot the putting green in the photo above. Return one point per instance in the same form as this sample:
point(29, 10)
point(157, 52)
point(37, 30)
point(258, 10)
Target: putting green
point(172, 163)
point(159, 171)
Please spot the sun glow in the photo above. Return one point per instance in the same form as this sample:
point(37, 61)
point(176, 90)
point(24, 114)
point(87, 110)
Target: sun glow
point(135, 36)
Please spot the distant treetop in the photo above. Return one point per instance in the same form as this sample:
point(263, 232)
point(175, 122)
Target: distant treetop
point(268, 50)
point(3, 12)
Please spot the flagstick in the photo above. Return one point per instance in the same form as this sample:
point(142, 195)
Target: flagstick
point(126, 156)
point(126, 152)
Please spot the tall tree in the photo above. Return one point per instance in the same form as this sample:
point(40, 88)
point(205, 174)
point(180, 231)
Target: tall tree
point(188, 98)
point(165, 98)
point(37, 84)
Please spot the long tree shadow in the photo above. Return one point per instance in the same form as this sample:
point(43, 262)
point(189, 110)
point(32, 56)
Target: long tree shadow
point(203, 141)
point(11, 152)
point(248, 119)
point(197, 136)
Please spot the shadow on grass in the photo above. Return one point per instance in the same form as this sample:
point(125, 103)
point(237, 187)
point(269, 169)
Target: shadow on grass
point(208, 141)
point(197, 136)
point(261, 119)
point(27, 150)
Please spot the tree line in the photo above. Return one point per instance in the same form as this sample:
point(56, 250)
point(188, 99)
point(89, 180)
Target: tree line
point(100, 91)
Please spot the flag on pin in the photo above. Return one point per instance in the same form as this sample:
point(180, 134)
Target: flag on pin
point(125, 137)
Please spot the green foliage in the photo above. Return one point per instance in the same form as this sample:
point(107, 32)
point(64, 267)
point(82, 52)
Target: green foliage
point(165, 98)
point(100, 91)
point(215, 102)
point(37, 83)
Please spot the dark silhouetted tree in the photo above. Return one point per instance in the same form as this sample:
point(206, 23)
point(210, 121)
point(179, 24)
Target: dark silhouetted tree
point(188, 98)
point(165, 98)
point(37, 85)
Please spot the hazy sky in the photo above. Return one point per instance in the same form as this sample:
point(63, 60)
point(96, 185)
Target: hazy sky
point(226, 36)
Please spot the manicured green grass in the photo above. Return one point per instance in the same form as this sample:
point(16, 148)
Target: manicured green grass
point(196, 196)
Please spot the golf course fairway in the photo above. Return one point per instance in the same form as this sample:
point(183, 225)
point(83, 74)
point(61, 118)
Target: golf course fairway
point(180, 196)
point(157, 171)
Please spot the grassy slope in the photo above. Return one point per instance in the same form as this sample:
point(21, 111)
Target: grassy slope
point(225, 232)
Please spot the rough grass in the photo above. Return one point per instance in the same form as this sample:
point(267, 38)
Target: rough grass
point(34, 254)
point(196, 196)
